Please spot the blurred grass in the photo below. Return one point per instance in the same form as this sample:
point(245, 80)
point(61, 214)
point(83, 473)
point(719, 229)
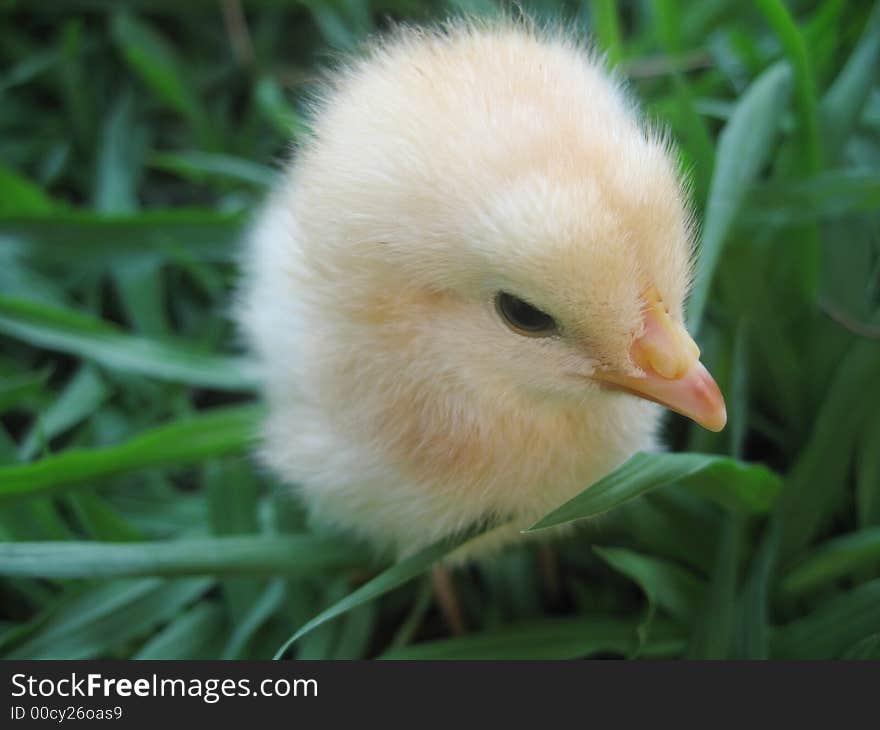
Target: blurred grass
point(136, 140)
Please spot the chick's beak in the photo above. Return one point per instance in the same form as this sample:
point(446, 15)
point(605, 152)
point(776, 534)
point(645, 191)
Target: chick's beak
point(672, 372)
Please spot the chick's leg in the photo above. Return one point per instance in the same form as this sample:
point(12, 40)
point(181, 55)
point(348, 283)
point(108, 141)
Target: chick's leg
point(447, 599)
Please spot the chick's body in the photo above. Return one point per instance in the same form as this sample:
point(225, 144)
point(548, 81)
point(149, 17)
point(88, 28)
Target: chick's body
point(443, 168)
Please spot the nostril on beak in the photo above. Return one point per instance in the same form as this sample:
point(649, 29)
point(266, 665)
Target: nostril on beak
point(664, 347)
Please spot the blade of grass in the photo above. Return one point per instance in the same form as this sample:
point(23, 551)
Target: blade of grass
point(561, 638)
point(867, 648)
point(833, 627)
point(156, 62)
point(266, 605)
point(755, 485)
point(666, 584)
point(153, 506)
point(388, 580)
point(667, 527)
point(140, 287)
point(19, 280)
point(413, 621)
point(101, 241)
point(697, 141)
point(747, 488)
point(751, 639)
point(187, 636)
point(20, 196)
point(52, 328)
point(842, 104)
point(318, 644)
point(831, 561)
point(119, 159)
point(36, 519)
point(257, 555)
point(28, 68)
point(821, 32)
point(356, 633)
point(338, 25)
point(81, 397)
point(15, 389)
point(868, 474)
point(738, 392)
point(830, 194)
point(713, 628)
point(204, 166)
point(221, 431)
point(88, 627)
point(100, 521)
point(79, 103)
point(818, 478)
point(783, 25)
point(232, 494)
point(743, 150)
point(270, 101)
point(72, 611)
point(605, 26)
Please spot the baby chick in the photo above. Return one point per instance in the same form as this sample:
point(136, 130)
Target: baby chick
point(467, 293)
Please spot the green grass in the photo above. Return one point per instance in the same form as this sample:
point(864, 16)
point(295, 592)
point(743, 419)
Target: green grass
point(134, 144)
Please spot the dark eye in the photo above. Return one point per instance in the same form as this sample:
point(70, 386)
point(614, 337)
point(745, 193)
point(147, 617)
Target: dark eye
point(523, 317)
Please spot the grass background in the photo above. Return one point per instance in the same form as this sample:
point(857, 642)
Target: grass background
point(135, 140)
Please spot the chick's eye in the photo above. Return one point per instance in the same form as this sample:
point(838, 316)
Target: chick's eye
point(523, 317)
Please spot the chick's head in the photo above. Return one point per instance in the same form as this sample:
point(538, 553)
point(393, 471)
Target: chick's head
point(500, 215)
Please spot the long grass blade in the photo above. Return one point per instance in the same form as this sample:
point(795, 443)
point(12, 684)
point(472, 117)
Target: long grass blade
point(749, 486)
point(92, 624)
point(832, 561)
point(104, 240)
point(212, 433)
point(842, 104)
point(565, 638)
point(743, 150)
point(792, 40)
point(388, 580)
point(833, 627)
point(44, 326)
point(257, 555)
point(668, 585)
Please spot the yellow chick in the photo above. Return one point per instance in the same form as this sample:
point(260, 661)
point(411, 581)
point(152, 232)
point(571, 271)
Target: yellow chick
point(467, 293)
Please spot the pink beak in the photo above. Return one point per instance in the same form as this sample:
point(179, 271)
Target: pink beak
point(672, 374)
